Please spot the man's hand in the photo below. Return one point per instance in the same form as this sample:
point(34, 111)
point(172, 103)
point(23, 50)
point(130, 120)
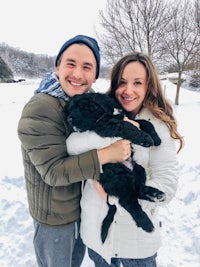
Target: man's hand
point(119, 151)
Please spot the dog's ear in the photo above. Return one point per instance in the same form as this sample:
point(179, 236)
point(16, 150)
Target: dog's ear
point(107, 103)
point(112, 103)
point(82, 111)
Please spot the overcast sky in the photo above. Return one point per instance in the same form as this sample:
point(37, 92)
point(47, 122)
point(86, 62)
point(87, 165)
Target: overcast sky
point(42, 26)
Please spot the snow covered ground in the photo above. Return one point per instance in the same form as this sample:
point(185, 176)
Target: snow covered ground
point(180, 219)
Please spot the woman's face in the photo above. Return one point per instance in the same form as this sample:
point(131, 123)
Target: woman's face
point(133, 87)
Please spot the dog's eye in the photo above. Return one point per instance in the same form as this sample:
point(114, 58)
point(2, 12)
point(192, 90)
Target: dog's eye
point(69, 120)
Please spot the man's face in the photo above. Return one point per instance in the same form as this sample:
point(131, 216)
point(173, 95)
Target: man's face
point(77, 69)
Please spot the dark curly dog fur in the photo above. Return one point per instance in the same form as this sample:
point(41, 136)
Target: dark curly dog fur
point(97, 112)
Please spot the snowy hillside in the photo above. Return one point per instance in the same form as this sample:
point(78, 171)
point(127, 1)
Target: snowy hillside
point(180, 219)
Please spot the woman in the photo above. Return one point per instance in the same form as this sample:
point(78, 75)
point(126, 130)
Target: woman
point(136, 87)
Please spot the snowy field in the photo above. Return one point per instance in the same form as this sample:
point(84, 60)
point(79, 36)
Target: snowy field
point(180, 219)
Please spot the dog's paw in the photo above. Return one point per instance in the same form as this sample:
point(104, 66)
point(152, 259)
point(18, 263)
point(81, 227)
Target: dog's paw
point(148, 227)
point(151, 194)
point(157, 140)
point(144, 222)
point(144, 140)
point(148, 127)
point(157, 197)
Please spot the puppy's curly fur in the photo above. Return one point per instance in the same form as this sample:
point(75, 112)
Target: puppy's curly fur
point(99, 113)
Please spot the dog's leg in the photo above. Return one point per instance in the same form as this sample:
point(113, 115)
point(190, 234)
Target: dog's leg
point(148, 127)
point(145, 192)
point(111, 127)
point(107, 222)
point(139, 216)
point(116, 179)
point(151, 194)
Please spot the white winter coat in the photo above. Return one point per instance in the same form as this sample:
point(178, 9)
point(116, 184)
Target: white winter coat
point(125, 239)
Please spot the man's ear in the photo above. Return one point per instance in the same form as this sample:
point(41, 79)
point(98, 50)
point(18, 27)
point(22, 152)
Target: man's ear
point(57, 70)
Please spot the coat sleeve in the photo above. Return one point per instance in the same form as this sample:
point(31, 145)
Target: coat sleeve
point(42, 132)
point(163, 166)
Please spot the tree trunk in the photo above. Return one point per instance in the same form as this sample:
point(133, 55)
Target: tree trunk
point(178, 88)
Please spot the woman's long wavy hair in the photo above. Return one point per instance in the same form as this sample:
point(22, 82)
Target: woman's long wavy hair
point(154, 100)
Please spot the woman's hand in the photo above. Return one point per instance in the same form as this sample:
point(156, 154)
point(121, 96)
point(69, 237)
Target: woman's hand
point(100, 190)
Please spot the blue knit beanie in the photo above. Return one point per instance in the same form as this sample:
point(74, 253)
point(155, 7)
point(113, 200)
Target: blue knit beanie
point(83, 39)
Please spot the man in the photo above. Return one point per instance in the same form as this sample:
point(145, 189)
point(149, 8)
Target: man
point(53, 179)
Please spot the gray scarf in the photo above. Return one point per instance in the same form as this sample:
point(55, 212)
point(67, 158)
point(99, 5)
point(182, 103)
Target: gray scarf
point(50, 85)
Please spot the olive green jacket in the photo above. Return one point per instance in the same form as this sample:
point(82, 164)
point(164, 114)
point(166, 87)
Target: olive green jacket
point(53, 179)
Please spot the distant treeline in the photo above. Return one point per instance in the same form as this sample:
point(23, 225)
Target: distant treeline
point(23, 64)
point(17, 63)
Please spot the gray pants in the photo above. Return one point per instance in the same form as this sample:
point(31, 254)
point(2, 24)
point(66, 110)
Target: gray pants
point(58, 247)
point(115, 262)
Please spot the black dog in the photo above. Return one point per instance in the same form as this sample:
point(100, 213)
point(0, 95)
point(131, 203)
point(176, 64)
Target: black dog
point(99, 113)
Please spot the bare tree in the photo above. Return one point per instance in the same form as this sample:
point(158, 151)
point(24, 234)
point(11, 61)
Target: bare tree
point(131, 25)
point(181, 38)
point(168, 31)
point(197, 14)
point(118, 35)
point(151, 17)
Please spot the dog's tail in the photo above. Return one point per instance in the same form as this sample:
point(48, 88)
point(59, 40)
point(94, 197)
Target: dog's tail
point(107, 221)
